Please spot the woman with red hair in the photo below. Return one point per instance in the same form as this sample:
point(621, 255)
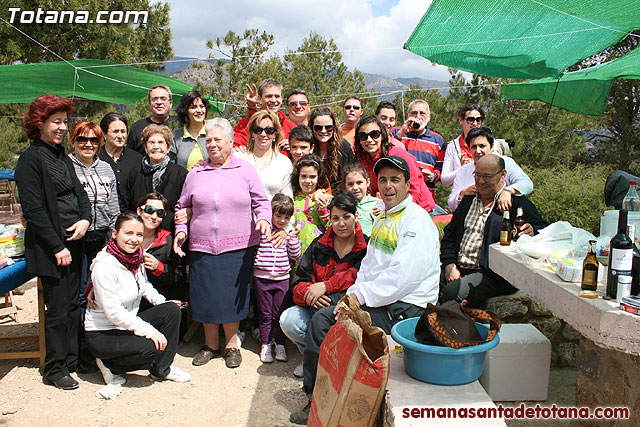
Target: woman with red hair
point(57, 212)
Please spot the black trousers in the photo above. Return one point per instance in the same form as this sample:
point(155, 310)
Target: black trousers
point(123, 351)
point(62, 316)
point(382, 317)
point(476, 286)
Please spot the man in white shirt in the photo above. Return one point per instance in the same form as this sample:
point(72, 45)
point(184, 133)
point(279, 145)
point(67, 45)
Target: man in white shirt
point(480, 142)
point(398, 276)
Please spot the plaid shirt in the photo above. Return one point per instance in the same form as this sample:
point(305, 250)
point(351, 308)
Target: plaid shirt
point(472, 239)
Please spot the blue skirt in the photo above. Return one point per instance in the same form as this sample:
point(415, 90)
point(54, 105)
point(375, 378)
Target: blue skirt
point(219, 285)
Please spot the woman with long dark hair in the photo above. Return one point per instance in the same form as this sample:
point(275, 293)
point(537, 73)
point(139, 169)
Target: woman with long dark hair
point(372, 144)
point(328, 143)
point(189, 142)
point(57, 212)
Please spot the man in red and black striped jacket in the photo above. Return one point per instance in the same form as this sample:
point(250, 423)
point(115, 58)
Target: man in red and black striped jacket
point(426, 146)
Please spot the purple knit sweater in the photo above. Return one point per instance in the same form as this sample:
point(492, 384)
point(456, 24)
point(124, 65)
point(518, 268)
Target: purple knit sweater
point(224, 201)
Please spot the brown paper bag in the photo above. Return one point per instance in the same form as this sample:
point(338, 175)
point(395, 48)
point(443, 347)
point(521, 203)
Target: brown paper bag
point(353, 370)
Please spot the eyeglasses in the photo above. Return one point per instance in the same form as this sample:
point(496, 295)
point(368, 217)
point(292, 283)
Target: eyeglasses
point(159, 99)
point(472, 120)
point(93, 140)
point(150, 210)
point(152, 143)
point(486, 175)
point(301, 103)
point(374, 134)
point(319, 128)
point(269, 130)
point(349, 107)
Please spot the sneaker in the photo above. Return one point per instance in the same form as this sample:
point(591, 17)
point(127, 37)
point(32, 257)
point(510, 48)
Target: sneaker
point(256, 334)
point(108, 376)
point(178, 375)
point(241, 336)
point(301, 416)
point(298, 371)
point(281, 353)
point(265, 354)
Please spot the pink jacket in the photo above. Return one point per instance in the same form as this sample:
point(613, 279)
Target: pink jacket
point(225, 202)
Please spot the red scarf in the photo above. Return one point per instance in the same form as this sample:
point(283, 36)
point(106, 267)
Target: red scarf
point(131, 261)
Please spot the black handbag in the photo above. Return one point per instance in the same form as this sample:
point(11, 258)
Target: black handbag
point(452, 325)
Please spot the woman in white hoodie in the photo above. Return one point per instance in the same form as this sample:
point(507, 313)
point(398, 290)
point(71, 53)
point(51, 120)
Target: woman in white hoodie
point(122, 339)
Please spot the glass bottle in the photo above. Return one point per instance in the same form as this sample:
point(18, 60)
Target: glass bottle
point(505, 229)
point(518, 223)
point(590, 269)
point(620, 256)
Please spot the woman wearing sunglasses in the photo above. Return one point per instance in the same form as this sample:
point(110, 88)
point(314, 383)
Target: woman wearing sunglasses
point(458, 153)
point(156, 173)
point(372, 143)
point(57, 212)
point(99, 182)
point(164, 267)
point(328, 143)
point(274, 169)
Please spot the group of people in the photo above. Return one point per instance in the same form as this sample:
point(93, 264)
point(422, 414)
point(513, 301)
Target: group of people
point(287, 213)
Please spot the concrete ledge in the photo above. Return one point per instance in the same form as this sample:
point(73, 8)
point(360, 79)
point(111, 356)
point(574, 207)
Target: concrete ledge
point(405, 392)
point(598, 320)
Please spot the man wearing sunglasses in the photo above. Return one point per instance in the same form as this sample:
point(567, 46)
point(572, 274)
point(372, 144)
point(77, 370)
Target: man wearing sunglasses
point(426, 146)
point(269, 95)
point(352, 111)
point(480, 141)
point(298, 107)
point(475, 225)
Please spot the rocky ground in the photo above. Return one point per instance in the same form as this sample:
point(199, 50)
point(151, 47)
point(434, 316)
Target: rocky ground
point(251, 395)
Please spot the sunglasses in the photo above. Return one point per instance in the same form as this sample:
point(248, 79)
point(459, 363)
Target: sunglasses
point(150, 210)
point(472, 120)
point(301, 103)
point(90, 139)
point(269, 130)
point(319, 128)
point(374, 134)
point(349, 107)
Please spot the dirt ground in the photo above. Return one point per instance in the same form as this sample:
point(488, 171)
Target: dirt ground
point(252, 395)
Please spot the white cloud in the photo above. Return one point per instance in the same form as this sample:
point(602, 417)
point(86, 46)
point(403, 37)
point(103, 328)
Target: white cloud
point(373, 44)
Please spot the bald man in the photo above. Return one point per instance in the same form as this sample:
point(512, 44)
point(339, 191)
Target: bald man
point(476, 225)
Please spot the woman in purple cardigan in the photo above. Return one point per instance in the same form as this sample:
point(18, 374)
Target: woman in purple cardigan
point(230, 209)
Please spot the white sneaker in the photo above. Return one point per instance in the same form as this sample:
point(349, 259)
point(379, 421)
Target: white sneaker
point(265, 354)
point(108, 376)
point(178, 375)
point(299, 371)
point(240, 338)
point(281, 353)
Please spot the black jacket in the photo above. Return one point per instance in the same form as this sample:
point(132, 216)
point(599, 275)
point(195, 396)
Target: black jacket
point(168, 279)
point(453, 232)
point(127, 164)
point(44, 236)
point(141, 184)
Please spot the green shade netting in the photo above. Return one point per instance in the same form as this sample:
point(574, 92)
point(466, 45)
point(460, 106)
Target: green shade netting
point(85, 78)
point(584, 91)
point(520, 38)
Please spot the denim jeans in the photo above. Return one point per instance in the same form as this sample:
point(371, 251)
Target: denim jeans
point(294, 322)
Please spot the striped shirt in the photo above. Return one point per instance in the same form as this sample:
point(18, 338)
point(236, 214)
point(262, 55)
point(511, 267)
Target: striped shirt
point(473, 237)
point(428, 149)
point(275, 264)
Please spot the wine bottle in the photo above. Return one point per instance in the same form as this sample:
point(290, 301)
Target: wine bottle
point(505, 229)
point(590, 269)
point(518, 223)
point(635, 264)
point(620, 256)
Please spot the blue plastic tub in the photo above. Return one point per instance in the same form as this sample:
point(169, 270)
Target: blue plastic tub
point(441, 365)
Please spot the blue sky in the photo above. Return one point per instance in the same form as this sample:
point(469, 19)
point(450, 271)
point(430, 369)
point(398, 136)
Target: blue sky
point(370, 32)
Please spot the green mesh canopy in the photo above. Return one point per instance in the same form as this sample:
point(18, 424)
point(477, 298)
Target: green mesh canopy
point(86, 78)
point(584, 91)
point(520, 38)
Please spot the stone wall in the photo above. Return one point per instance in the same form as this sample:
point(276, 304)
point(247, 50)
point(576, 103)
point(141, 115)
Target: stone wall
point(608, 378)
point(519, 308)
